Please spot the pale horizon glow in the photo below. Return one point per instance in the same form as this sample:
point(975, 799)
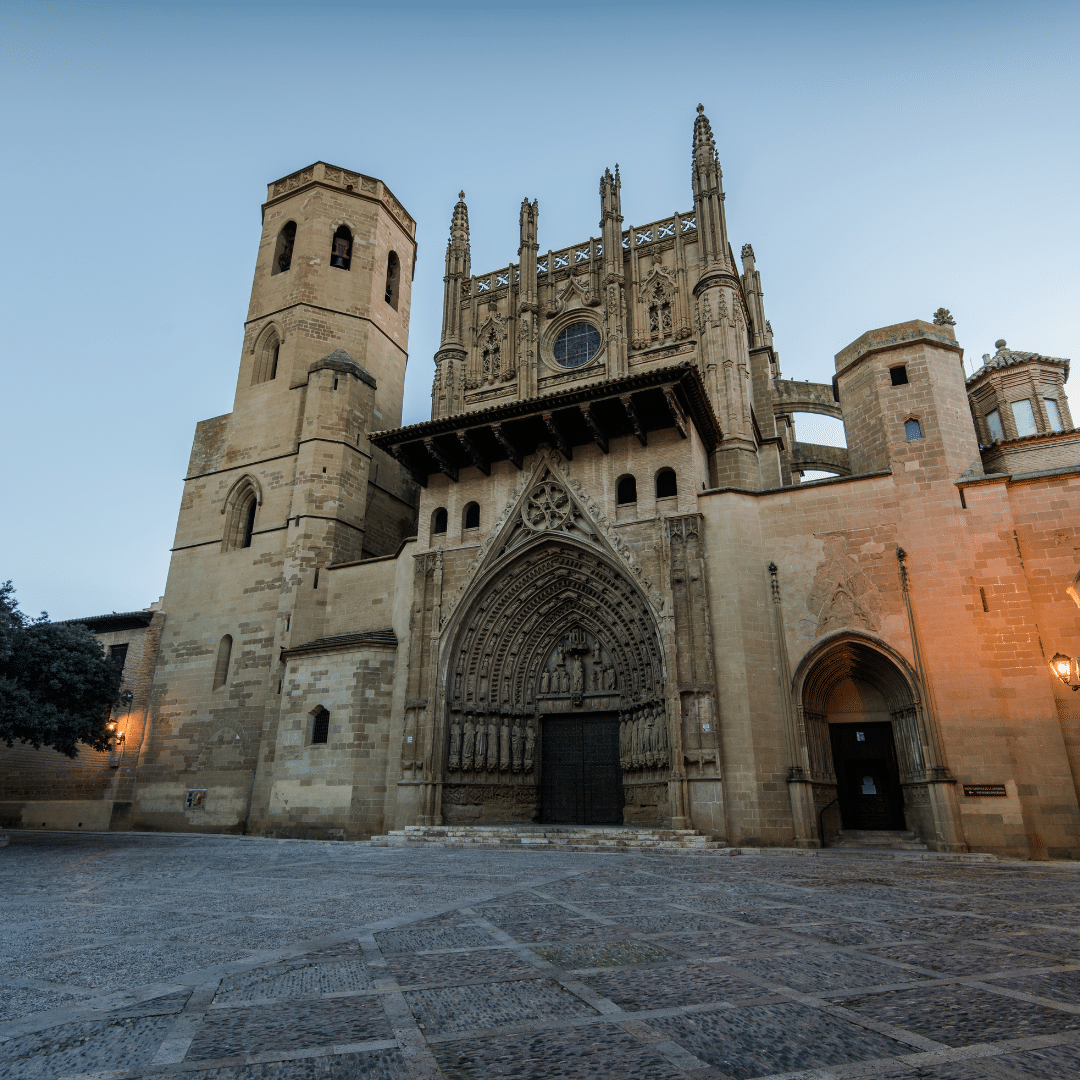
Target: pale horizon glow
point(883, 160)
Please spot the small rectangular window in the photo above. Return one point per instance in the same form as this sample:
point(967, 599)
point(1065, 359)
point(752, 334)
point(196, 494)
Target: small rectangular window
point(912, 430)
point(898, 375)
point(1024, 415)
point(118, 655)
point(993, 422)
point(1053, 414)
point(320, 727)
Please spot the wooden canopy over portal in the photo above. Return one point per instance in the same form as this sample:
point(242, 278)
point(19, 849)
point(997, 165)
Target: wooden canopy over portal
point(666, 397)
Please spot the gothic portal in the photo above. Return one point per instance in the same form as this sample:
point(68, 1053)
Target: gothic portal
point(555, 700)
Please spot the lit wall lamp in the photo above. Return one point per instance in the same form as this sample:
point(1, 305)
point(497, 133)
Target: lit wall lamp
point(1066, 669)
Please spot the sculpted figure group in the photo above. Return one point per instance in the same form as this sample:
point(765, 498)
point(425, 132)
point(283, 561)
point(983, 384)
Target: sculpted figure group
point(491, 744)
point(643, 738)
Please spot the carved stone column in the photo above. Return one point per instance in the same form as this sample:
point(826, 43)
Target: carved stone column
point(800, 788)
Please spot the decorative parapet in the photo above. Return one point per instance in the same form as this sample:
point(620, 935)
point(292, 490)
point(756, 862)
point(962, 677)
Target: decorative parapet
point(584, 256)
point(895, 337)
point(334, 176)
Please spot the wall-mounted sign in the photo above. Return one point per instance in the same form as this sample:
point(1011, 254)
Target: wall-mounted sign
point(984, 790)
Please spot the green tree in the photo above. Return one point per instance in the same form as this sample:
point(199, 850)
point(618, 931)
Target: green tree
point(56, 683)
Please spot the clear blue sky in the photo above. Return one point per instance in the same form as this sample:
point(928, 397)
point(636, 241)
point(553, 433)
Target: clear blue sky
point(884, 159)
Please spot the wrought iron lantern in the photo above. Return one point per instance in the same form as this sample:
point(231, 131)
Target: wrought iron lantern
point(1066, 669)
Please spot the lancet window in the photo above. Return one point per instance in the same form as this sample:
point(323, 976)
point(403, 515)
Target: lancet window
point(393, 275)
point(284, 250)
point(341, 248)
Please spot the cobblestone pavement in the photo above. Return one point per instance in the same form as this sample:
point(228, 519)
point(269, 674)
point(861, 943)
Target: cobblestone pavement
point(230, 958)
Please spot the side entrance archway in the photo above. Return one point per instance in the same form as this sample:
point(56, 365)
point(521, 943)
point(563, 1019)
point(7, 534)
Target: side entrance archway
point(864, 738)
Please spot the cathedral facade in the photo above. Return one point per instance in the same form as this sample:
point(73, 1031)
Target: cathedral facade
point(595, 587)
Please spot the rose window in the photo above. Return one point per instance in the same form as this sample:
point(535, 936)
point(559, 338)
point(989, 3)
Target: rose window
point(547, 507)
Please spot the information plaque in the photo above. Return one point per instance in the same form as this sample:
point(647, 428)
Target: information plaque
point(986, 790)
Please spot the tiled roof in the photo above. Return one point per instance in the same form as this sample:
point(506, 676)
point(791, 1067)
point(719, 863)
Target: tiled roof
point(340, 360)
point(1006, 357)
point(115, 620)
point(385, 638)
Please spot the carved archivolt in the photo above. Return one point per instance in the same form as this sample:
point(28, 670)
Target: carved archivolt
point(556, 614)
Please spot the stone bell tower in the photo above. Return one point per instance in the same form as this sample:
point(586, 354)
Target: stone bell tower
point(285, 486)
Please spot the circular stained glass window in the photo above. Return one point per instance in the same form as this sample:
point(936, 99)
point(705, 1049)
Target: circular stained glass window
point(577, 345)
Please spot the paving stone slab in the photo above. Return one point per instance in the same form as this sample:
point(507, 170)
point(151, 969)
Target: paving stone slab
point(825, 971)
point(261, 933)
point(18, 1001)
point(614, 954)
point(1057, 985)
point(599, 1050)
point(411, 941)
point(454, 968)
point(290, 1025)
point(971, 958)
point(961, 1015)
point(854, 932)
point(950, 1070)
point(668, 922)
point(1049, 1063)
point(1062, 945)
point(300, 982)
point(373, 1065)
point(121, 965)
point(735, 942)
point(760, 1040)
point(83, 1047)
point(636, 989)
point(468, 1008)
point(566, 930)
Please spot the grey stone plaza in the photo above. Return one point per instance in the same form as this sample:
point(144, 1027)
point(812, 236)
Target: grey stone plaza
point(131, 955)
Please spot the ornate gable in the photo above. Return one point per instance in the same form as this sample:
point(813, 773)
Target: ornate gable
point(548, 503)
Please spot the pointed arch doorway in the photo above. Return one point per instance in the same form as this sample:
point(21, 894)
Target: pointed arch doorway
point(552, 666)
point(865, 743)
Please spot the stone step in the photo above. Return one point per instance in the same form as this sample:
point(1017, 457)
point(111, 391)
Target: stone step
point(564, 838)
point(875, 839)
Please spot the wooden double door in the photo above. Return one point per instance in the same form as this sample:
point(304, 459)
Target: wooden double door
point(867, 776)
point(580, 774)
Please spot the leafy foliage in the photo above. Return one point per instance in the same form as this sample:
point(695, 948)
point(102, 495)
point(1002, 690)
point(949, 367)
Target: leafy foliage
point(56, 683)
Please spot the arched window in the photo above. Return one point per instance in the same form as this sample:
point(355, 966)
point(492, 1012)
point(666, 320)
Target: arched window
point(470, 519)
point(221, 665)
point(240, 509)
point(249, 522)
point(283, 251)
point(341, 248)
point(320, 725)
point(267, 352)
point(438, 520)
point(912, 430)
point(393, 274)
point(666, 484)
point(626, 491)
